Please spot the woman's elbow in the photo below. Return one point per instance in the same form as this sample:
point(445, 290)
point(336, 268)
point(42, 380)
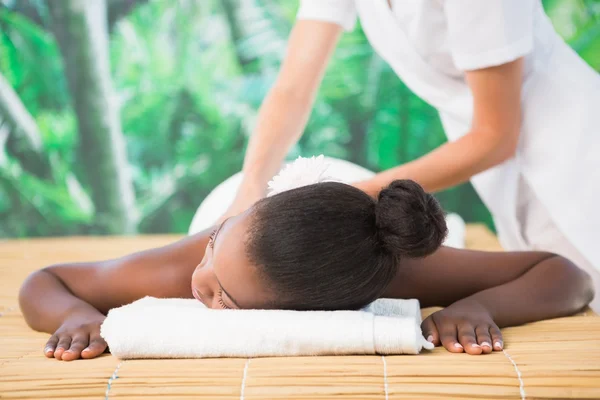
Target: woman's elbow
point(588, 291)
point(504, 150)
point(26, 287)
point(33, 296)
point(27, 294)
point(578, 282)
point(507, 152)
point(495, 146)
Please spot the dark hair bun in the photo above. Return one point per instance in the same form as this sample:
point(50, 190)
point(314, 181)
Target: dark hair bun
point(410, 221)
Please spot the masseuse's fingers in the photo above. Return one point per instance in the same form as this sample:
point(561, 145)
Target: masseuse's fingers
point(63, 344)
point(467, 338)
point(50, 346)
point(79, 342)
point(484, 338)
point(96, 347)
point(430, 331)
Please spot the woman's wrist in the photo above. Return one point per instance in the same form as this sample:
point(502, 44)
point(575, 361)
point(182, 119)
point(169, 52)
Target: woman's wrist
point(251, 190)
point(503, 311)
point(473, 303)
point(82, 310)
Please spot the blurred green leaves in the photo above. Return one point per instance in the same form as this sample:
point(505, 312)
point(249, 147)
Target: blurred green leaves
point(190, 76)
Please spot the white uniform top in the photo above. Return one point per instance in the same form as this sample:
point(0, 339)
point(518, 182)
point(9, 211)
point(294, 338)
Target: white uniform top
point(430, 43)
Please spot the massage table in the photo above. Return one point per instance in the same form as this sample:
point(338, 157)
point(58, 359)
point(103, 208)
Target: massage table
point(553, 359)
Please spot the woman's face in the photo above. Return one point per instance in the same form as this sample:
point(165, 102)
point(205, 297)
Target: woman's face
point(225, 278)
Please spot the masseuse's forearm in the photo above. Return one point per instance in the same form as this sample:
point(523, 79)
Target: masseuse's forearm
point(45, 302)
point(553, 288)
point(452, 163)
point(286, 109)
point(281, 120)
point(493, 138)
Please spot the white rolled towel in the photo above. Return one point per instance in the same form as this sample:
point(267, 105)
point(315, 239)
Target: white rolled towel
point(183, 328)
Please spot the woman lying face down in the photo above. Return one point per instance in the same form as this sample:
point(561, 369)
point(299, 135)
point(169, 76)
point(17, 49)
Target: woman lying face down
point(325, 246)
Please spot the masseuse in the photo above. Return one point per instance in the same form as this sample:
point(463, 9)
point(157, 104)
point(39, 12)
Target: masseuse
point(520, 109)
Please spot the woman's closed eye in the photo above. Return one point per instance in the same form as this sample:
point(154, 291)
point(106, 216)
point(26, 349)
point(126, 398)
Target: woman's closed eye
point(211, 239)
point(220, 300)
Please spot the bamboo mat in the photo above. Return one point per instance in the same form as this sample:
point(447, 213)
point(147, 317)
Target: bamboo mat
point(550, 359)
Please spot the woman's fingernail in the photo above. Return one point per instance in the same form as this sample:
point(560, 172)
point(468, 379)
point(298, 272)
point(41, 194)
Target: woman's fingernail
point(498, 345)
point(430, 338)
point(458, 345)
point(485, 344)
point(85, 350)
point(47, 349)
point(475, 345)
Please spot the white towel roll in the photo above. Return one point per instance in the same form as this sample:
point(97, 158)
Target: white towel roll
point(395, 308)
point(181, 328)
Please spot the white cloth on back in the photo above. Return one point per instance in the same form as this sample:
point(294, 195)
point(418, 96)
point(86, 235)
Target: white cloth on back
point(217, 201)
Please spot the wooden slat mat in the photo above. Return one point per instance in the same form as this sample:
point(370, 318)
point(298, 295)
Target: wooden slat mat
point(550, 359)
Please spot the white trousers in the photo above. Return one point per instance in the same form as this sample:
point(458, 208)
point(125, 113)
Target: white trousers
point(540, 233)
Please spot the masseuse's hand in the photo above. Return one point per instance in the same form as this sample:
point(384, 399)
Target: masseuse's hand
point(78, 337)
point(244, 199)
point(463, 326)
point(236, 208)
point(369, 187)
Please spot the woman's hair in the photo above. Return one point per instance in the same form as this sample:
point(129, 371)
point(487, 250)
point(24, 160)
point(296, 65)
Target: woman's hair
point(331, 246)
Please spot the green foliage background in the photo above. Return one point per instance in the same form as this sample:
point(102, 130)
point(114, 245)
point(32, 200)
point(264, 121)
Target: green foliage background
point(190, 76)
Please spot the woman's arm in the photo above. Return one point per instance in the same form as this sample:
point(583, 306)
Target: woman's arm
point(286, 109)
point(483, 291)
point(517, 287)
point(71, 300)
point(492, 139)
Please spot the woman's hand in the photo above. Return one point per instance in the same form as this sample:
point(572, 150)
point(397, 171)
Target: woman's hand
point(463, 326)
point(78, 337)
